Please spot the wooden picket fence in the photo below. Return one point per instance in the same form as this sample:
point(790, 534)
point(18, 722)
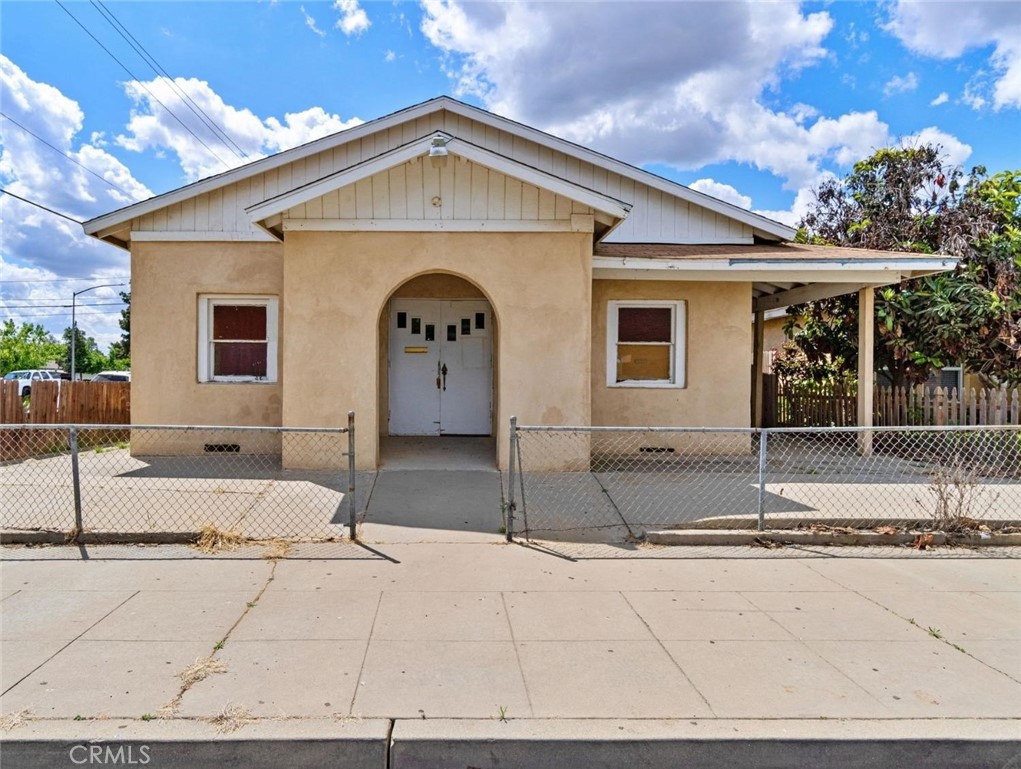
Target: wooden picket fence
point(95, 403)
point(812, 404)
point(946, 406)
point(819, 405)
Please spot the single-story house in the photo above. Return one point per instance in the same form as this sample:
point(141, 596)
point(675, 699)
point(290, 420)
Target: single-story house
point(441, 269)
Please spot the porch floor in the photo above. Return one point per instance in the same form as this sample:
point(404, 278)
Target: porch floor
point(437, 452)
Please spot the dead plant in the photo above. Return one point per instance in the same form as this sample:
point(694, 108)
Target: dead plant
point(231, 718)
point(960, 500)
point(13, 720)
point(200, 670)
point(214, 540)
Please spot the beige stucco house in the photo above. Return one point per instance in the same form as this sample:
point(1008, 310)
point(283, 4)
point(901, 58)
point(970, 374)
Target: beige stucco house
point(443, 268)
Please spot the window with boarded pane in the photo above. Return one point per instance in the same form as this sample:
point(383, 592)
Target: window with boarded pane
point(237, 339)
point(645, 344)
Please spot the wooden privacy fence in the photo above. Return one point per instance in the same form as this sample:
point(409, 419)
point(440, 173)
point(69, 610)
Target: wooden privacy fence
point(811, 404)
point(67, 403)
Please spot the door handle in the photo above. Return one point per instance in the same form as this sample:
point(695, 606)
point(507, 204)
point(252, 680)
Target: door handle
point(437, 375)
point(444, 372)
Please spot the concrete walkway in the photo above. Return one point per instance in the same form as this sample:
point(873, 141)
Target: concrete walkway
point(486, 654)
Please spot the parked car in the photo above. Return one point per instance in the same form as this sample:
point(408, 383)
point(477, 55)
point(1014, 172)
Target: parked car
point(26, 377)
point(112, 376)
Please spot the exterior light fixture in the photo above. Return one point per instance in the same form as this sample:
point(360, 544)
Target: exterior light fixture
point(438, 152)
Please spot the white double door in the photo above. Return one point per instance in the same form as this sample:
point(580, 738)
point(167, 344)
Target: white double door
point(441, 367)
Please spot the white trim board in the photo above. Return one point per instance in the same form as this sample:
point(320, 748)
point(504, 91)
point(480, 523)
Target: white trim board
point(439, 225)
point(204, 237)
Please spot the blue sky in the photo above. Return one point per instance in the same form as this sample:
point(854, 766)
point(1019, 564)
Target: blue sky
point(754, 102)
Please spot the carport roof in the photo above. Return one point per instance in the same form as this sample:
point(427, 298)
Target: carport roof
point(781, 275)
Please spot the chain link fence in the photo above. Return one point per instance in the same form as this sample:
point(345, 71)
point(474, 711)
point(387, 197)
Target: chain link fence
point(166, 481)
point(613, 484)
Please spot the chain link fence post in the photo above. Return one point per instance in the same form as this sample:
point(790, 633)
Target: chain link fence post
point(763, 440)
point(76, 482)
point(510, 477)
point(351, 489)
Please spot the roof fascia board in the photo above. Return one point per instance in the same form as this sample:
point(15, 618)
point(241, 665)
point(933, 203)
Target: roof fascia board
point(912, 267)
point(604, 203)
point(608, 205)
point(350, 175)
point(256, 167)
point(416, 112)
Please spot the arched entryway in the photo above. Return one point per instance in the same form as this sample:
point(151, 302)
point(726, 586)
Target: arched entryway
point(438, 352)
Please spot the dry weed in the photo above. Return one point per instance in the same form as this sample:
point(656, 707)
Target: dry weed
point(231, 718)
point(202, 668)
point(214, 540)
point(13, 720)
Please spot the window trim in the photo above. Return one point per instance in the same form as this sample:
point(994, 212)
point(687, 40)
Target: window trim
point(205, 317)
point(678, 345)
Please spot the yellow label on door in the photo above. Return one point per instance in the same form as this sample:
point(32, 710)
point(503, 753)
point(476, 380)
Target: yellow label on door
point(416, 349)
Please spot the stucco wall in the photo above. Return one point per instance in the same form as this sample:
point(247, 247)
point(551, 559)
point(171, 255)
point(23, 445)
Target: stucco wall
point(718, 358)
point(166, 280)
point(337, 284)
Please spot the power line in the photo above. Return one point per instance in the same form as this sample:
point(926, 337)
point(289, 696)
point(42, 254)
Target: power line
point(45, 306)
point(40, 205)
point(64, 154)
point(60, 314)
point(143, 85)
point(68, 280)
point(158, 69)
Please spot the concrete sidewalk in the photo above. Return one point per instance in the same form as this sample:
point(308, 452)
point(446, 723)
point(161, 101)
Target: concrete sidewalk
point(486, 654)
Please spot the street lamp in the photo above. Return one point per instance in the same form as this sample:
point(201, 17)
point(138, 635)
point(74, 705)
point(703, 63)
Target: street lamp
point(74, 326)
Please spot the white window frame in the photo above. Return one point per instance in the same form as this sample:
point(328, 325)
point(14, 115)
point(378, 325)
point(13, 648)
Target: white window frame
point(205, 343)
point(678, 346)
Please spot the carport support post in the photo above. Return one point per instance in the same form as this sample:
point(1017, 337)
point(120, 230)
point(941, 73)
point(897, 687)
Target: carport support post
point(352, 524)
point(509, 523)
point(76, 482)
point(866, 358)
point(757, 345)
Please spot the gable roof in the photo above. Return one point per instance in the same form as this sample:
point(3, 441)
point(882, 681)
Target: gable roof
point(98, 225)
point(455, 146)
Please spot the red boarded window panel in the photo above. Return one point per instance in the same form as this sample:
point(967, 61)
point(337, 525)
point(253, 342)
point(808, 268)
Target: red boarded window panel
point(239, 359)
point(645, 324)
point(239, 321)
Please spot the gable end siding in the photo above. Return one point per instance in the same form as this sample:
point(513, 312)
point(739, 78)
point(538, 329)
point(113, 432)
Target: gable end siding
point(656, 217)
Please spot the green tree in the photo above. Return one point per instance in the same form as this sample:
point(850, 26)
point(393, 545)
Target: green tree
point(26, 346)
point(912, 200)
point(120, 351)
point(88, 357)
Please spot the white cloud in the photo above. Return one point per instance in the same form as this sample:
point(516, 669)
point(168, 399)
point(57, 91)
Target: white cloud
point(948, 30)
point(684, 85)
point(943, 98)
point(723, 192)
point(898, 84)
point(803, 200)
point(389, 56)
point(956, 151)
point(353, 19)
point(152, 128)
point(310, 22)
point(37, 245)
